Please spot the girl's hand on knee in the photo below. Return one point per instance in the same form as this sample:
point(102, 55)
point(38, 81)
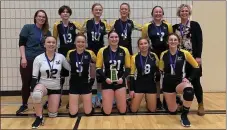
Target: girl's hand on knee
point(185, 80)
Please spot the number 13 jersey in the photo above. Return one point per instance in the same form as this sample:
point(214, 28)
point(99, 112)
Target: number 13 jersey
point(49, 73)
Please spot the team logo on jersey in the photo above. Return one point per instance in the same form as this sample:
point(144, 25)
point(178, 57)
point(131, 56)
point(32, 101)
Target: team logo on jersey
point(179, 58)
point(120, 54)
point(71, 28)
point(129, 24)
point(86, 57)
point(101, 28)
point(164, 28)
point(57, 62)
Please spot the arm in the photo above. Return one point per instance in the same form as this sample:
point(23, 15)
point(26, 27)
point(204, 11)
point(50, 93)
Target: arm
point(65, 63)
point(199, 40)
point(78, 26)
point(157, 73)
point(193, 63)
point(132, 74)
point(99, 64)
point(35, 72)
point(110, 26)
point(83, 28)
point(55, 31)
point(137, 26)
point(23, 38)
point(127, 63)
point(145, 30)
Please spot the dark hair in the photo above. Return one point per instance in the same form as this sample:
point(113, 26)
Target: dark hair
point(45, 27)
point(95, 4)
point(62, 8)
point(155, 8)
point(112, 31)
point(128, 8)
point(141, 38)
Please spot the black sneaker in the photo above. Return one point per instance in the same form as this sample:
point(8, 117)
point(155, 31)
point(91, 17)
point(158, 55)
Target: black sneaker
point(22, 109)
point(184, 121)
point(45, 105)
point(38, 121)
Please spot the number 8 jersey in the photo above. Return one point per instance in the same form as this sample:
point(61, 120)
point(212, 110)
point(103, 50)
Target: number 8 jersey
point(49, 70)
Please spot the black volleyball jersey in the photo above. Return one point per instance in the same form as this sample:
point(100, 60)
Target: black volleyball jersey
point(124, 30)
point(95, 34)
point(144, 67)
point(80, 63)
point(157, 34)
point(66, 35)
point(175, 64)
point(119, 59)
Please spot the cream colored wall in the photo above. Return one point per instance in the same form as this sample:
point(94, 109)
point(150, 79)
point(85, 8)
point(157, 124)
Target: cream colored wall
point(212, 17)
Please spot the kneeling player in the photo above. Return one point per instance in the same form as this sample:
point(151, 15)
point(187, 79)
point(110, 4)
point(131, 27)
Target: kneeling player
point(80, 82)
point(48, 65)
point(144, 66)
point(172, 65)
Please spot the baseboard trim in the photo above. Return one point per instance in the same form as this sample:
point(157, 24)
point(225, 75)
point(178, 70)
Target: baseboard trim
point(18, 93)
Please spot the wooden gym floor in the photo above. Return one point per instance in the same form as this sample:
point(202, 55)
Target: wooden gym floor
point(215, 118)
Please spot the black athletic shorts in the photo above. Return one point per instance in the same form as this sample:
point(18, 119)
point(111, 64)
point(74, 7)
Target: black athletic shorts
point(114, 86)
point(145, 85)
point(79, 86)
point(50, 91)
point(170, 83)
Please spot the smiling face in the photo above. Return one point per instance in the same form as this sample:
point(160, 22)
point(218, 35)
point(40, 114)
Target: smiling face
point(184, 13)
point(80, 43)
point(97, 10)
point(157, 13)
point(50, 44)
point(40, 18)
point(124, 10)
point(143, 45)
point(113, 39)
point(173, 41)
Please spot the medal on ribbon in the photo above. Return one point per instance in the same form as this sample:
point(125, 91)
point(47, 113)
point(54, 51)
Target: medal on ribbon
point(50, 74)
point(143, 64)
point(96, 33)
point(79, 64)
point(124, 30)
point(173, 63)
point(66, 32)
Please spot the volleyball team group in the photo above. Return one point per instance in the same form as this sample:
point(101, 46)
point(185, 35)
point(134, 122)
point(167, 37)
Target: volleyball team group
point(168, 63)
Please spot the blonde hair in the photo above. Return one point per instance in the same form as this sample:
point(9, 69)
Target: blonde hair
point(182, 6)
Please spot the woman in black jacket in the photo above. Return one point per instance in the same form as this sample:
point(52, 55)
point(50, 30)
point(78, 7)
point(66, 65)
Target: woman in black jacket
point(191, 40)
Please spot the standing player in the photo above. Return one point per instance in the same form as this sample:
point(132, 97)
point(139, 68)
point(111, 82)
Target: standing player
point(113, 60)
point(65, 31)
point(144, 67)
point(31, 43)
point(80, 81)
point(48, 66)
point(172, 66)
point(124, 27)
point(157, 31)
point(191, 36)
point(95, 29)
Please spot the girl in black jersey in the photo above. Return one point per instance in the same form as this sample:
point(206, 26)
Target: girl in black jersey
point(157, 31)
point(113, 65)
point(172, 66)
point(95, 29)
point(80, 81)
point(144, 67)
point(124, 27)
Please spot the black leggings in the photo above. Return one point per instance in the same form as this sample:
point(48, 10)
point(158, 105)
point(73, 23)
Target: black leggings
point(26, 77)
point(196, 83)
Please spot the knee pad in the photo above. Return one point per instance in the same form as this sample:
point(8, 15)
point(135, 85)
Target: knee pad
point(52, 114)
point(37, 96)
point(92, 111)
point(104, 112)
point(188, 94)
point(73, 116)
